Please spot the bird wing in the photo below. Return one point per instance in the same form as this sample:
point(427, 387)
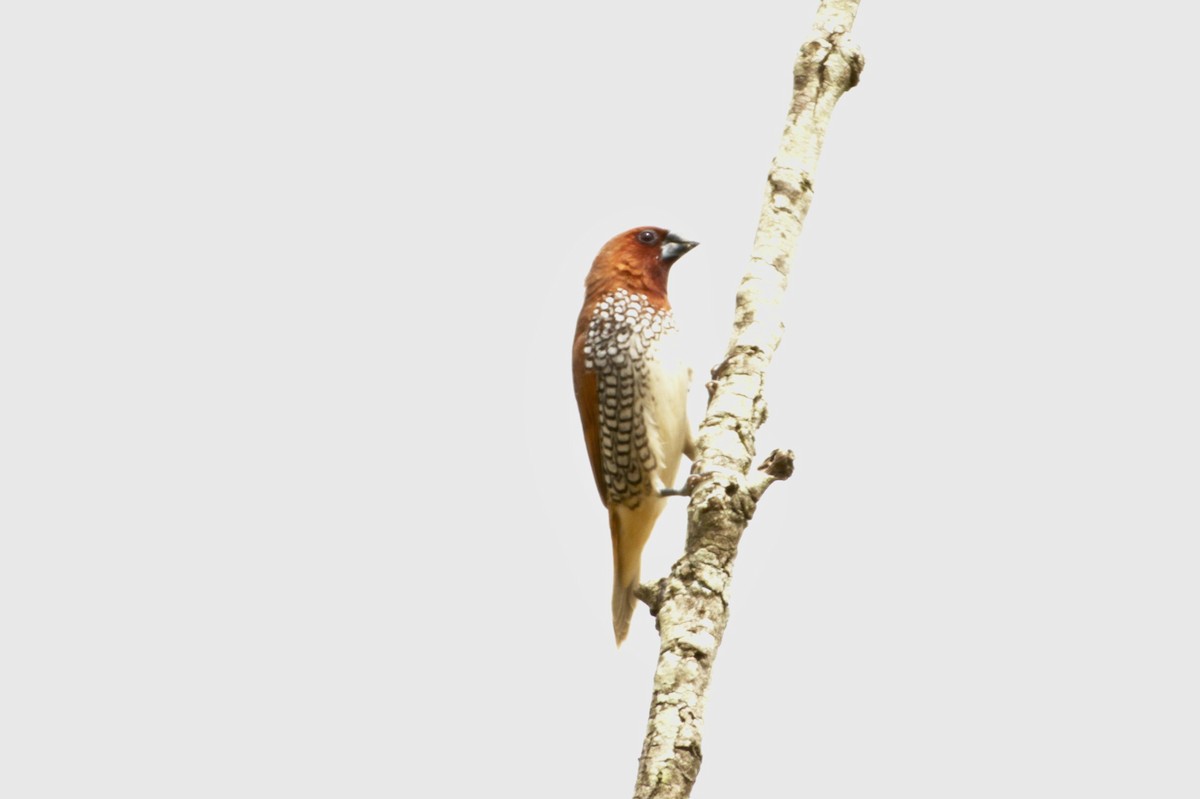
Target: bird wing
point(587, 396)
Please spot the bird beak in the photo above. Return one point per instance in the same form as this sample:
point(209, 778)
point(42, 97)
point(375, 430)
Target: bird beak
point(674, 248)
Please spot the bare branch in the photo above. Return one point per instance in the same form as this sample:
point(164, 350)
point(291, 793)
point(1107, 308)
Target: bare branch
point(692, 602)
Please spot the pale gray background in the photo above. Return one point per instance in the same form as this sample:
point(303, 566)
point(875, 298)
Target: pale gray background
point(294, 500)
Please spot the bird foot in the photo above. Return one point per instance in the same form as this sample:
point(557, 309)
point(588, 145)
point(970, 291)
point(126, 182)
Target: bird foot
point(689, 486)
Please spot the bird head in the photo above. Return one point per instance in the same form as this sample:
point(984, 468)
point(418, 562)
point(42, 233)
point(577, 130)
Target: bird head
point(638, 260)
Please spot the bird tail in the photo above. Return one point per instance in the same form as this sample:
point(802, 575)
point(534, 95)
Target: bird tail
point(630, 529)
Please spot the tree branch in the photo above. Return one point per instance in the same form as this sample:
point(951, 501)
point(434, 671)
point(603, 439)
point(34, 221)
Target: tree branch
point(691, 604)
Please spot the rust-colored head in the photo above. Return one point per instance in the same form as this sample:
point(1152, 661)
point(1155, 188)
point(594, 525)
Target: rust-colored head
point(638, 260)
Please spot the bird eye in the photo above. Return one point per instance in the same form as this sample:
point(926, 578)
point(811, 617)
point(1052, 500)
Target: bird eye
point(647, 237)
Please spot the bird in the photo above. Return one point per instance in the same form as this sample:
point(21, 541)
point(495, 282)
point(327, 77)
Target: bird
point(631, 385)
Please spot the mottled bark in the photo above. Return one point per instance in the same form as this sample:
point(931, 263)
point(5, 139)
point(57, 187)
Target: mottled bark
point(692, 602)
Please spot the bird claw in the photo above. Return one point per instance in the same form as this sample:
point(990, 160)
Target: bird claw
point(689, 485)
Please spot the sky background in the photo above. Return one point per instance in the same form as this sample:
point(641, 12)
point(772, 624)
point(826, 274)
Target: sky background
point(293, 498)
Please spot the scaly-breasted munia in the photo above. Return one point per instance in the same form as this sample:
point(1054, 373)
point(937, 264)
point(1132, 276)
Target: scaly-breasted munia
point(631, 385)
